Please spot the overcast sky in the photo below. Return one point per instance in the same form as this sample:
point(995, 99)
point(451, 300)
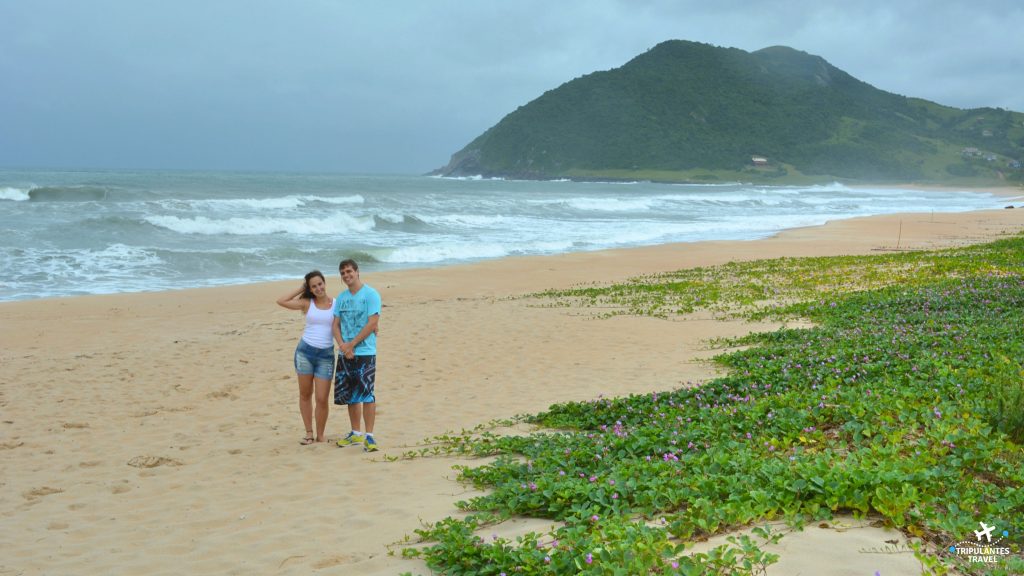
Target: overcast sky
point(380, 86)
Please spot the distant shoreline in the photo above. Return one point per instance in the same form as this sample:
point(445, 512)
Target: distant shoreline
point(737, 179)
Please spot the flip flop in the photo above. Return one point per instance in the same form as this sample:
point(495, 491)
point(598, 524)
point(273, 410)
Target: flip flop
point(307, 440)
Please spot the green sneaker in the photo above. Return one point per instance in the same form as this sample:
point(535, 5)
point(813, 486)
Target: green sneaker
point(351, 440)
point(369, 444)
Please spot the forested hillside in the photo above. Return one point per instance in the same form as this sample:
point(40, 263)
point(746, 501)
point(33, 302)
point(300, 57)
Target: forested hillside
point(685, 110)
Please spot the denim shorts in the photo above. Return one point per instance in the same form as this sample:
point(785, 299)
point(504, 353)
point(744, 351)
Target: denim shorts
point(316, 361)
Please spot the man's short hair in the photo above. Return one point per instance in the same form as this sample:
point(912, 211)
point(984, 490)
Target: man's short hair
point(348, 262)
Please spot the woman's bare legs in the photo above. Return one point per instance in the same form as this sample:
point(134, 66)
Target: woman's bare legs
point(323, 388)
point(306, 402)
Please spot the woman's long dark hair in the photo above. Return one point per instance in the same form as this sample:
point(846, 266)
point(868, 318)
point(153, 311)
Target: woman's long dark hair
point(306, 292)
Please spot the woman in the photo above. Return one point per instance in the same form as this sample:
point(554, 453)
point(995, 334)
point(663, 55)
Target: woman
point(314, 356)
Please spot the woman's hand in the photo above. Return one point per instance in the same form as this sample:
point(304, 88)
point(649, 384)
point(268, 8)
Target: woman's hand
point(291, 300)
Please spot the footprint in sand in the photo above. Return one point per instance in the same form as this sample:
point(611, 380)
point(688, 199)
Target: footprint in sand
point(75, 425)
point(89, 464)
point(222, 394)
point(152, 461)
point(37, 493)
point(332, 561)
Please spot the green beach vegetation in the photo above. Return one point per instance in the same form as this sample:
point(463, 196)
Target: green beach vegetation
point(686, 111)
point(904, 402)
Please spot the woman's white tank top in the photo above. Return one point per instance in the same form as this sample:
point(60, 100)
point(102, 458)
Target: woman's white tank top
point(318, 326)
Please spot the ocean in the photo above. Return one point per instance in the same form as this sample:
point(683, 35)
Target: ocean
point(65, 233)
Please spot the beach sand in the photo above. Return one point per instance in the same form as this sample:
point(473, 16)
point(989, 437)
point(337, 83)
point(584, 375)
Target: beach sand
point(158, 433)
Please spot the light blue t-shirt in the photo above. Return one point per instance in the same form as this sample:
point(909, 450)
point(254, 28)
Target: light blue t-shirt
point(354, 311)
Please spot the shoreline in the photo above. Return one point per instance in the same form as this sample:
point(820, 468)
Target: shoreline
point(1011, 194)
point(165, 422)
point(28, 284)
point(801, 180)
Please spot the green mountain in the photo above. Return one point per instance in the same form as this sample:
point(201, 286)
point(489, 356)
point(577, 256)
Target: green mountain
point(691, 111)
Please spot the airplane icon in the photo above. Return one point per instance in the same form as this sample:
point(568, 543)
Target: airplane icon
point(985, 531)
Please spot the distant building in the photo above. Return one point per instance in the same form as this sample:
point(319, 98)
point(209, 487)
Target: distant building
point(759, 160)
point(986, 133)
point(970, 152)
point(1015, 164)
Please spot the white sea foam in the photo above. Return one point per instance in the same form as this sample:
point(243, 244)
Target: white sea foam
point(468, 220)
point(333, 224)
point(15, 194)
point(353, 199)
point(225, 228)
point(86, 270)
point(611, 204)
point(424, 254)
point(553, 246)
point(471, 178)
point(833, 187)
point(280, 203)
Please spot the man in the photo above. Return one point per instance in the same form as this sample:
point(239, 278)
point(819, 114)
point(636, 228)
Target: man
point(356, 313)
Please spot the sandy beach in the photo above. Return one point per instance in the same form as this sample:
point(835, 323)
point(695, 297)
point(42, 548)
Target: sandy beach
point(157, 433)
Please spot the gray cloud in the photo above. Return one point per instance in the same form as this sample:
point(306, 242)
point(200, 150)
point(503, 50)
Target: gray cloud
point(397, 86)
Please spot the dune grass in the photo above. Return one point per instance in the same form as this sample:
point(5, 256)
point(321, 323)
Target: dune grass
point(904, 401)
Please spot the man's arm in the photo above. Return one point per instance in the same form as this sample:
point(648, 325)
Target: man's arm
point(336, 330)
point(348, 348)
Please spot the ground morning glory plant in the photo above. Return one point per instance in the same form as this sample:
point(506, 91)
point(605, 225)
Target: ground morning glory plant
point(905, 401)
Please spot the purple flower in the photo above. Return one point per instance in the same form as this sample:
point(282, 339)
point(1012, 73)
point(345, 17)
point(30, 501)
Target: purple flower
point(590, 558)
